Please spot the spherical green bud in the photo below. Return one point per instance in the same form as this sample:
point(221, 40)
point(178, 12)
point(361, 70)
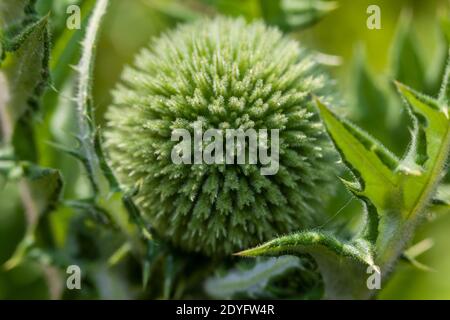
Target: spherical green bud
point(221, 74)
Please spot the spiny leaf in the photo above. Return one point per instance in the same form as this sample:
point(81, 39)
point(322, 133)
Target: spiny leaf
point(444, 94)
point(308, 242)
point(342, 264)
point(26, 71)
point(15, 16)
point(435, 73)
point(252, 282)
point(431, 125)
point(26, 76)
point(369, 161)
point(398, 191)
point(430, 148)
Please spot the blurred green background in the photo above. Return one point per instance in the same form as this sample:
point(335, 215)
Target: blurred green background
point(411, 47)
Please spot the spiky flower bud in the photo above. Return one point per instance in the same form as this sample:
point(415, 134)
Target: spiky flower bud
point(220, 74)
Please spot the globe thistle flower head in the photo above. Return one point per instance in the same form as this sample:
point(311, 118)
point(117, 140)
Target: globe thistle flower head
point(220, 74)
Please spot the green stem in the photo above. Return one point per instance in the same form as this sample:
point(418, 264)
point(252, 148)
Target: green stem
point(86, 116)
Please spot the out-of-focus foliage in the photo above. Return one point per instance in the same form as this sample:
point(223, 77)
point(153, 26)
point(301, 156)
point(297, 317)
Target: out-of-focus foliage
point(96, 232)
